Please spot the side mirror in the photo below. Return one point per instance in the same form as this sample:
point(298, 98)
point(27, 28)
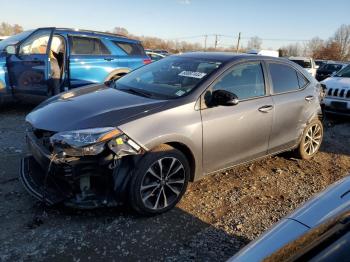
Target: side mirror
point(224, 98)
point(11, 49)
point(317, 66)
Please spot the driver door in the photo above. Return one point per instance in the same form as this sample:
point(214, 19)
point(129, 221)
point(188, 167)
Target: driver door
point(237, 133)
point(29, 68)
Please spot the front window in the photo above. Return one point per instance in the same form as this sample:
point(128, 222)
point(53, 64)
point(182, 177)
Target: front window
point(345, 72)
point(36, 43)
point(303, 63)
point(244, 80)
point(168, 78)
point(12, 40)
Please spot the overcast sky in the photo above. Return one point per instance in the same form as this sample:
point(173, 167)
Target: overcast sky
point(276, 22)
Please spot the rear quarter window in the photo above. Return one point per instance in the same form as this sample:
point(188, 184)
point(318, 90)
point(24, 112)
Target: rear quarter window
point(285, 78)
point(131, 49)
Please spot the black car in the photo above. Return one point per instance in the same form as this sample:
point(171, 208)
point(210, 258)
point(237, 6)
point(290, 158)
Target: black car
point(327, 70)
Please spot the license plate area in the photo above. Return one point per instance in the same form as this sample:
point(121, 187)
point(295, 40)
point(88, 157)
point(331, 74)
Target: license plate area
point(339, 105)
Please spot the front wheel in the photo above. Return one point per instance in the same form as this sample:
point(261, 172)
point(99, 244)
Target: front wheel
point(160, 180)
point(311, 140)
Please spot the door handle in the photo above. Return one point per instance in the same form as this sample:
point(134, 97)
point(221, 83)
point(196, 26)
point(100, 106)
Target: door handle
point(108, 58)
point(309, 98)
point(265, 109)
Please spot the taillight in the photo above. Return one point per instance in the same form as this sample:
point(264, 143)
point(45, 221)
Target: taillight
point(147, 61)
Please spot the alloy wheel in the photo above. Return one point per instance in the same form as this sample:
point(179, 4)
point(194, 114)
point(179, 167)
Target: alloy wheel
point(162, 183)
point(313, 139)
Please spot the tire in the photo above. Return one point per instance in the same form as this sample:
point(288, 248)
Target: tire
point(152, 189)
point(307, 148)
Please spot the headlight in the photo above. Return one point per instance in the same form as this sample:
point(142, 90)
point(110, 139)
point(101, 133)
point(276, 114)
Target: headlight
point(85, 141)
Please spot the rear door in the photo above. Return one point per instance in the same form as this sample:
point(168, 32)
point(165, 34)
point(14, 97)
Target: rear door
point(90, 61)
point(294, 105)
point(239, 133)
point(28, 69)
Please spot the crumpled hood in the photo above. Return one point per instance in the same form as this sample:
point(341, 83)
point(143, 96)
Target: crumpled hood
point(337, 82)
point(90, 107)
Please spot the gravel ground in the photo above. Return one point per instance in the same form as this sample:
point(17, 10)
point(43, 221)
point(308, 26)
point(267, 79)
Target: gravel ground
point(217, 216)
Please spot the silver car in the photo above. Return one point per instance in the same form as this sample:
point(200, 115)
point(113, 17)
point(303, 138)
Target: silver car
point(144, 137)
point(317, 231)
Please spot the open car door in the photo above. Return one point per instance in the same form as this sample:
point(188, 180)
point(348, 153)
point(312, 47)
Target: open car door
point(29, 67)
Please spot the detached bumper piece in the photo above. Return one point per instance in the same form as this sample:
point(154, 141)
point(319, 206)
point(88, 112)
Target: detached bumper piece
point(32, 177)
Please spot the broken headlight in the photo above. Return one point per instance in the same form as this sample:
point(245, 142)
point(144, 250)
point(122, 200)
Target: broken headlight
point(92, 141)
point(84, 142)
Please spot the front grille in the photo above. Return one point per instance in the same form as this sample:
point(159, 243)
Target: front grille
point(339, 92)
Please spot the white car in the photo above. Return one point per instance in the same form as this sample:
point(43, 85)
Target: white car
point(3, 37)
point(337, 92)
point(307, 63)
point(155, 56)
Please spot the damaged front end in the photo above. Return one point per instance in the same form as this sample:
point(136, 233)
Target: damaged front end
point(84, 169)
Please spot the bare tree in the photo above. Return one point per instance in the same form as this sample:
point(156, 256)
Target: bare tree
point(254, 43)
point(7, 29)
point(314, 46)
point(342, 38)
point(120, 31)
point(291, 50)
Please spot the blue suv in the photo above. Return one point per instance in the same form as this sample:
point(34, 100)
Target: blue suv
point(47, 61)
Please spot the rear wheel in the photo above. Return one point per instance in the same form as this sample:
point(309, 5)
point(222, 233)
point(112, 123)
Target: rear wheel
point(311, 140)
point(159, 182)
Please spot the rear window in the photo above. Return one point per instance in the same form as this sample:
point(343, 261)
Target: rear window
point(285, 78)
point(132, 49)
point(303, 63)
point(87, 46)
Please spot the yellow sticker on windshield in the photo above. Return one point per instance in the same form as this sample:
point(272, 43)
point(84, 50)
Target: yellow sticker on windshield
point(119, 141)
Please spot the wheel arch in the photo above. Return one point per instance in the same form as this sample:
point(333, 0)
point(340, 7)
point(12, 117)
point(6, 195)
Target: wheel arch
point(119, 71)
point(188, 154)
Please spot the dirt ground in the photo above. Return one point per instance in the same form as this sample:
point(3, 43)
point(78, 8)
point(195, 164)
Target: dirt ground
point(217, 216)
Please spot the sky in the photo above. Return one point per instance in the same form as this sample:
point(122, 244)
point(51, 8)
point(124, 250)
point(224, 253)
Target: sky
point(278, 22)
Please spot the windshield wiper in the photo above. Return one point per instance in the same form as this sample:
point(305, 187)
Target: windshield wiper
point(136, 91)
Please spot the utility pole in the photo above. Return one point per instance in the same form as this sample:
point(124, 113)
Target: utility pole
point(239, 39)
point(216, 41)
point(205, 42)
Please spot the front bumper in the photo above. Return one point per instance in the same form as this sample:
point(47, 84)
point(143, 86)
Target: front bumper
point(43, 188)
point(336, 106)
point(66, 181)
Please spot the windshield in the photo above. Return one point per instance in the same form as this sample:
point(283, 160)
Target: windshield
point(332, 67)
point(12, 40)
point(303, 63)
point(170, 77)
point(345, 72)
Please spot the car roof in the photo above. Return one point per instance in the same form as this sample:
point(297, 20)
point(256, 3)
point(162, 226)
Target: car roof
point(225, 57)
point(90, 33)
